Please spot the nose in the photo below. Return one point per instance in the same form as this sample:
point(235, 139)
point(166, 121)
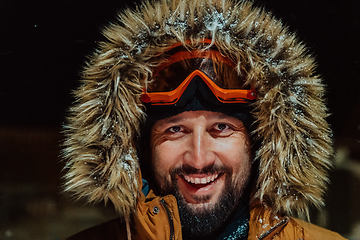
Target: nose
point(199, 153)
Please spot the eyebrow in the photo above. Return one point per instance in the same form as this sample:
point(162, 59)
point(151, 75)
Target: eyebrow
point(175, 119)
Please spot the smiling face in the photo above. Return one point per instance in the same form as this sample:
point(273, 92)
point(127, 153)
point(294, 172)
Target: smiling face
point(203, 158)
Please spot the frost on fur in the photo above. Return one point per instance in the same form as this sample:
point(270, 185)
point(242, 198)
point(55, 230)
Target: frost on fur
point(289, 110)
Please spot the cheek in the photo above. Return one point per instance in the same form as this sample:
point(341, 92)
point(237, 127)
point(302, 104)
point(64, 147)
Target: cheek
point(242, 167)
point(236, 151)
point(236, 154)
point(163, 160)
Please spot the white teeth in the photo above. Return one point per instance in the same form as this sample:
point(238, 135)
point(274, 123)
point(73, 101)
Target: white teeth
point(204, 180)
point(187, 178)
point(208, 179)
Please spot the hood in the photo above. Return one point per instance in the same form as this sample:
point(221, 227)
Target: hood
point(289, 111)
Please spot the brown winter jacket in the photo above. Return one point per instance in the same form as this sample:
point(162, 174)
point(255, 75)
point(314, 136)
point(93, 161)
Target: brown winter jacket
point(265, 225)
point(158, 219)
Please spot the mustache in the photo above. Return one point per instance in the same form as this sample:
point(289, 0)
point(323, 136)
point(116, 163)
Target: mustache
point(187, 169)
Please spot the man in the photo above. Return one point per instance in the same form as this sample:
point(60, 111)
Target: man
point(217, 106)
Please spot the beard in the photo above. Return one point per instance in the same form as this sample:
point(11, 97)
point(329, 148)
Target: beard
point(204, 220)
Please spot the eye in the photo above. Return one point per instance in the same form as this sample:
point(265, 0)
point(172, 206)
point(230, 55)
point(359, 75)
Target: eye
point(174, 129)
point(221, 126)
point(221, 130)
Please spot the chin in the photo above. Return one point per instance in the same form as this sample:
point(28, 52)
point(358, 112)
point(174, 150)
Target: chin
point(198, 207)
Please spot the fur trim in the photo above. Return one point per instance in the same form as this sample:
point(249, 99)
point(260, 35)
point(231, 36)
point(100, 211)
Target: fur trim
point(290, 112)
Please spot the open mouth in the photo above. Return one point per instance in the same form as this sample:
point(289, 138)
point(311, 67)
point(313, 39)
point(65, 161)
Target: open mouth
point(202, 180)
point(201, 188)
point(199, 182)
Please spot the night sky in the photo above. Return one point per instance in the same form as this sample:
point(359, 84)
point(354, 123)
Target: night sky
point(43, 46)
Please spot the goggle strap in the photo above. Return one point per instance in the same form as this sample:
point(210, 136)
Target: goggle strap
point(209, 54)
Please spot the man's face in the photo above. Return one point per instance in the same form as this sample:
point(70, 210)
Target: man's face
point(203, 158)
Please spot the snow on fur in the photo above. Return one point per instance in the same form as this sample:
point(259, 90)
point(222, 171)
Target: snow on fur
point(289, 110)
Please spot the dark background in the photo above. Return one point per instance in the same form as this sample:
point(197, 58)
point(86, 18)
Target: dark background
point(42, 49)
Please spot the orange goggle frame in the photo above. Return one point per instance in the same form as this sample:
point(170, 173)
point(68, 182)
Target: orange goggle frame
point(223, 95)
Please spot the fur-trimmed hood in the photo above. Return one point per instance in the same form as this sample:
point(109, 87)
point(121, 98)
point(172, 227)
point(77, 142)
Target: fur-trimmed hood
point(102, 161)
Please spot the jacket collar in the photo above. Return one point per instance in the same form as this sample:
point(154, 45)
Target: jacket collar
point(264, 224)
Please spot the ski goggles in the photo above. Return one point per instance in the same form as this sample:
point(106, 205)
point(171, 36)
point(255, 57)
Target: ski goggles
point(173, 77)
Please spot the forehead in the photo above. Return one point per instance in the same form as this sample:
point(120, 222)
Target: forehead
point(205, 116)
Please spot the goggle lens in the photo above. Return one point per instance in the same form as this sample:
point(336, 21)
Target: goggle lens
point(172, 77)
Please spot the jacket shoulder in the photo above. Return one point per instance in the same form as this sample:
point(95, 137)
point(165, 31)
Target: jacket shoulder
point(313, 232)
point(112, 230)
